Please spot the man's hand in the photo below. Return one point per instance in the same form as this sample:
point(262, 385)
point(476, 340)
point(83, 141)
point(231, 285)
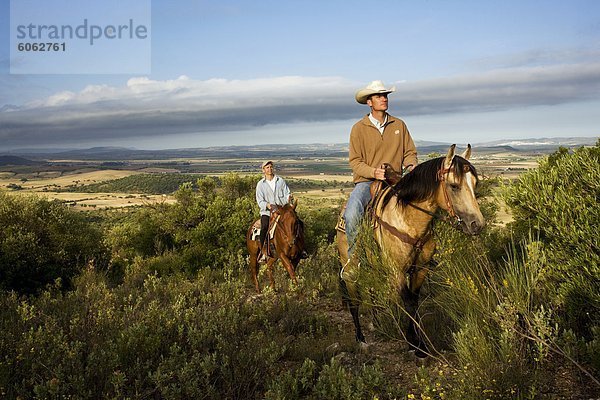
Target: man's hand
point(380, 173)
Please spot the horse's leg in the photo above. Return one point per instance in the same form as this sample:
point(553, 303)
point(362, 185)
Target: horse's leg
point(411, 303)
point(288, 265)
point(350, 297)
point(270, 263)
point(353, 306)
point(254, 270)
point(410, 296)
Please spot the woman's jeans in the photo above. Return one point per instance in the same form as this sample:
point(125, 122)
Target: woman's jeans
point(355, 209)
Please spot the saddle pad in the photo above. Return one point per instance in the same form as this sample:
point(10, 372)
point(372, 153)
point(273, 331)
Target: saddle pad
point(256, 229)
point(341, 223)
point(255, 232)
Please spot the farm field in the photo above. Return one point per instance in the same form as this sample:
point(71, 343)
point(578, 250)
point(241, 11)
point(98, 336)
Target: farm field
point(53, 178)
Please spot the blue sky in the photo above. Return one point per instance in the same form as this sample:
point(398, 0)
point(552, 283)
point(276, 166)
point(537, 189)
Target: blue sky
point(255, 72)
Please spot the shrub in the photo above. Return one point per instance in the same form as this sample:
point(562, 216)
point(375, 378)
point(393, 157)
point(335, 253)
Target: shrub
point(206, 228)
point(558, 202)
point(329, 381)
point(41, 241)
point(167, 337)
point(503, 330)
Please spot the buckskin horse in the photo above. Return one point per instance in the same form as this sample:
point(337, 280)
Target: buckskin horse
point(402, 215)
point(287, 231)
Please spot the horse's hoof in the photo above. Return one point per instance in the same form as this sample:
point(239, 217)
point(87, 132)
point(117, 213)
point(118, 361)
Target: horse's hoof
point(420, 357)
point(422, 361)
point(363, 347)
point(333, 349)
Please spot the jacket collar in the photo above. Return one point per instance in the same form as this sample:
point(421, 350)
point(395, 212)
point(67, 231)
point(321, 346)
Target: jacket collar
point(367, 121)
point(275, 178)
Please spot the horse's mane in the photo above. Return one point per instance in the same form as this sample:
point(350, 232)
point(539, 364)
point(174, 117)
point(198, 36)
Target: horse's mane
point(287, 211)
point(289, 214)
point(287, 208)
point(422, 182)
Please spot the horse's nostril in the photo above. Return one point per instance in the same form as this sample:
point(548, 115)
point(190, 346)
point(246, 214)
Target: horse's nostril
point(476, 227)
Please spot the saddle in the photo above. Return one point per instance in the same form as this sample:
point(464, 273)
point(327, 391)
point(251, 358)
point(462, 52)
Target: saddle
point(376, 187)
point(270, 231)
point(255, 235)
point(392, 177)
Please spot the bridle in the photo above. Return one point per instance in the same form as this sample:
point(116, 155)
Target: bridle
point(418, 243)
point(453, 218)
point(286, 238)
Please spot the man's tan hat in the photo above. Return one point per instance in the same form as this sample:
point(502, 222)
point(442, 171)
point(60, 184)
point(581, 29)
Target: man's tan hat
point(266, 163)
point(375, 87)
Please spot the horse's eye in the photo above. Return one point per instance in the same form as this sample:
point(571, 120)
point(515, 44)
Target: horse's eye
point(454, 186)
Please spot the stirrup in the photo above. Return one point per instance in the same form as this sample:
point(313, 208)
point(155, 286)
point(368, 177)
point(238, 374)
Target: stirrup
point(344, 267)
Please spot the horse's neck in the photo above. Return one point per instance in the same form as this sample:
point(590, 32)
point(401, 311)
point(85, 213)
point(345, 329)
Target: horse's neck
point(409, 219)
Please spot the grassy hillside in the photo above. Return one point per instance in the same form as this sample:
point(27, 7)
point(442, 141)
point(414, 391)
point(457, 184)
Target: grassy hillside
point(157, 302)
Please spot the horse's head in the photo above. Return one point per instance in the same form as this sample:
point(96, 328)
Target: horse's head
point(292, 229)
point(456, 193)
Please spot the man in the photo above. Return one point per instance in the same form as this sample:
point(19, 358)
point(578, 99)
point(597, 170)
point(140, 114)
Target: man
point(375, 140)
point(271, 191)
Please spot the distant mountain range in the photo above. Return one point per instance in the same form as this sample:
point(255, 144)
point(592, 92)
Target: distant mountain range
point(33, 156)
point(542, 143)
point(16, 160)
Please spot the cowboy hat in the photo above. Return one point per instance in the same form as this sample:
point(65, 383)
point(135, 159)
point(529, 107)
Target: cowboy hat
point(375, 87)
point(266, 163)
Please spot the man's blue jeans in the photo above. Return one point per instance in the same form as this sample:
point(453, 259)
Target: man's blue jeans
point(355, 209)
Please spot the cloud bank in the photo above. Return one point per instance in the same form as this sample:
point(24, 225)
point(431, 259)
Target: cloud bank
point(147, 108)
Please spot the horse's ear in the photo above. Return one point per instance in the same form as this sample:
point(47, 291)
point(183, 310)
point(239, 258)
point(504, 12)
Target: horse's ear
point(294, 203)
point(467, 153)
point(449, 156)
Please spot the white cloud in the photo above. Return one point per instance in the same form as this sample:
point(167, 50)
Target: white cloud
point(146, 107)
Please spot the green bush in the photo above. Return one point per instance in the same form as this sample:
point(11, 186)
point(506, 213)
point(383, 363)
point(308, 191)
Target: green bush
point(558, 203)
point(138, 183)
point(516, 299)
point(167, 337)
point(318, 225)
point(503, 330)
point(329, 381)
point(41, 241)
point(205, 227)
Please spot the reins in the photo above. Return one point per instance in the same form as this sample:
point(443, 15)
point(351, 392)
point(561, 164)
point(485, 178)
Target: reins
point(406, 238)
point(418, 243)
point(453, 218)
point(457, 220)
point(286, 238)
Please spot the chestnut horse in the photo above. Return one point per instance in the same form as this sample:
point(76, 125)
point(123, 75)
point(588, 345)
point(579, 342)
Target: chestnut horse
point(402, 229)
point(288, 241)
